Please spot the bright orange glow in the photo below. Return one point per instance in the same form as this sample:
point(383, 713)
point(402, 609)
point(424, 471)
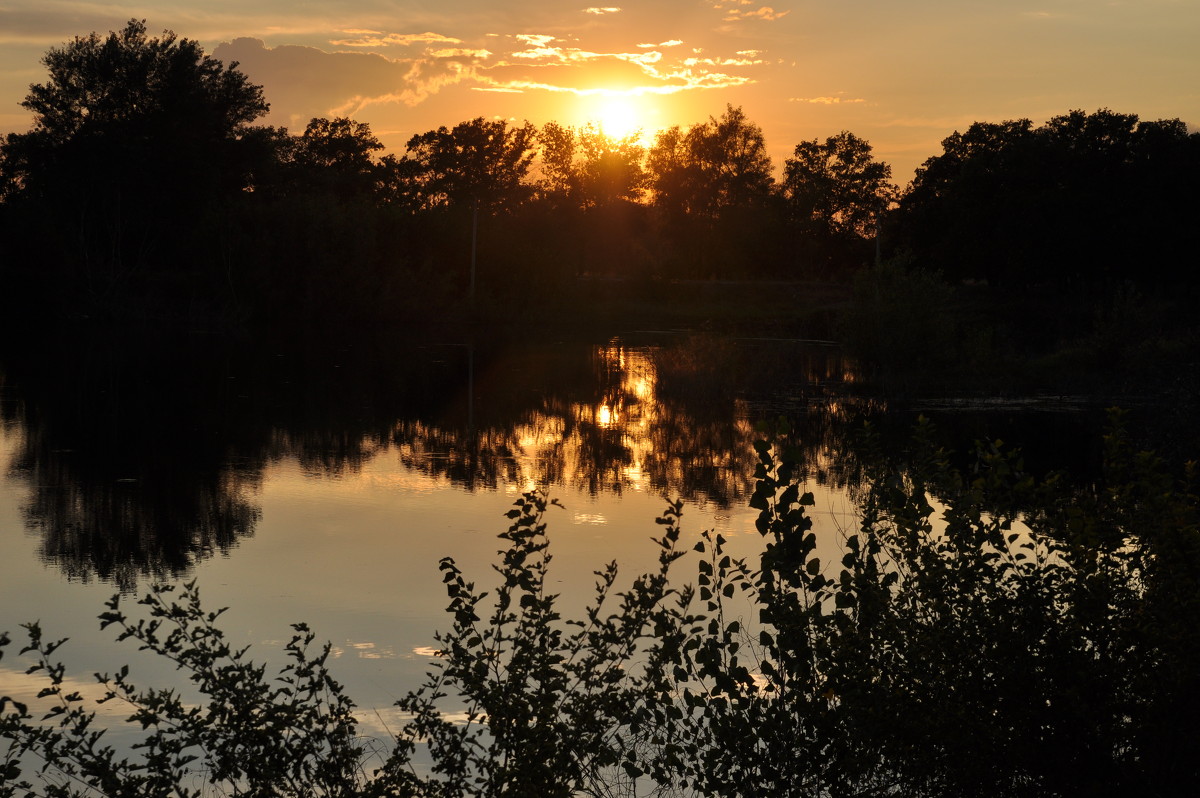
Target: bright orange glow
point(620, 115)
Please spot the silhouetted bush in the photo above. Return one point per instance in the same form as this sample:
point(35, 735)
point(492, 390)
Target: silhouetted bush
point(981, 632)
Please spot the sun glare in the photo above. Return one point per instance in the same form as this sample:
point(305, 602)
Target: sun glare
point(619, 115)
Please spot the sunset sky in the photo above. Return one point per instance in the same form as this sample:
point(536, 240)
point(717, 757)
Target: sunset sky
point(901, 75)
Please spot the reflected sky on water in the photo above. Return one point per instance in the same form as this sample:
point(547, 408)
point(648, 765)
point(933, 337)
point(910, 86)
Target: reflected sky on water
point(324, 484)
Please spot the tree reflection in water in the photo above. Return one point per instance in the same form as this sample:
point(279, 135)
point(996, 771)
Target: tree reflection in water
point(142, 457)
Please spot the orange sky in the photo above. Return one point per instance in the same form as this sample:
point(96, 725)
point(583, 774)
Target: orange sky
point(901, 75)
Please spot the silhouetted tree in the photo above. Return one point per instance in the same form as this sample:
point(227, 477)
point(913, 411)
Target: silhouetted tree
point(477, 162)
point(133, 138)
point(835, 192)
point(611, 169)
point(588, 216)
point(731, 154)
point(1085, 200)
point(336, 157)
point(715, 165)
point(711, 186)
point(558, 180)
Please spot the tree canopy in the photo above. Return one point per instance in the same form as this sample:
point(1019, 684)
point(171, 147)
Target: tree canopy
point(134, 92)
point(133, 138)
point(1084, 200)
point(715, 165)
point(835, 193)
point(480, 161)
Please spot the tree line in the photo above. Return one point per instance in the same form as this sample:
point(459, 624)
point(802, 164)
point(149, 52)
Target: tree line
point(146, 182)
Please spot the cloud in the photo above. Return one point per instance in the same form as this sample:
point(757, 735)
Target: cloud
point(602, 11)
point(605, 75)
point(371, 38)
point(547, 63)
point(735, 11)
point(460, 52)
point(766, 13)
point(535, 39)
point(721, 62)
point(304, 82)
point(826, 100)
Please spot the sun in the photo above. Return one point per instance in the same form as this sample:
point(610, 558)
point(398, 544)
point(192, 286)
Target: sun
point(618, 115)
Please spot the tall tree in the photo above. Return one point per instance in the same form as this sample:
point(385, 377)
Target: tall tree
point(731, 154)
point(1085, 200)
point(836, 193)
point(133, 137)
point(712, 186)
point(611, 168)
point(336, 156)
point(836, 188)
point(559, 173)
point(481, 162)
point(716, 165)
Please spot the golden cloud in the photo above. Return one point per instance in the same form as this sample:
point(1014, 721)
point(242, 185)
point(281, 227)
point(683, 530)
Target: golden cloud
point(767, 13)
point(370, 38)
point(460, 52)
point(734, 11)
point(535, 39)
point(722, 62)
point(605, 75)
point(825, 100)
point(304, 82)
point(602, 11)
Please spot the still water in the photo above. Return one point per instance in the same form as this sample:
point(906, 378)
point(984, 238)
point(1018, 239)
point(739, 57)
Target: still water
point(322, 482)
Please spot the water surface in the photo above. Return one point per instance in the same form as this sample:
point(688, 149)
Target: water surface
point(324, 482)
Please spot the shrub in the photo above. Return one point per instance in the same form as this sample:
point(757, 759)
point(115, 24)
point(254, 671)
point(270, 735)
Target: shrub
point(984, 633)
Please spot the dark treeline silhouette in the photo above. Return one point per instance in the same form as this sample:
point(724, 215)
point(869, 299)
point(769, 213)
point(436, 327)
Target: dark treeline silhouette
point(144, 190)
point(1083, 202)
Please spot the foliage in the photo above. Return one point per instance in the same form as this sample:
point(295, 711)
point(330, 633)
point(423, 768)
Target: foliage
point(101, 86)
point(585, 168)
point(132, 119)
point(836, 194)
point(335, 158)
point(477, 162)
point(713, 190)
point(290, 734)
point(548, 708)
point(1080, 202)
point(551, 707)
point(715, 165)
point(979, 632)
point(837, 186)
